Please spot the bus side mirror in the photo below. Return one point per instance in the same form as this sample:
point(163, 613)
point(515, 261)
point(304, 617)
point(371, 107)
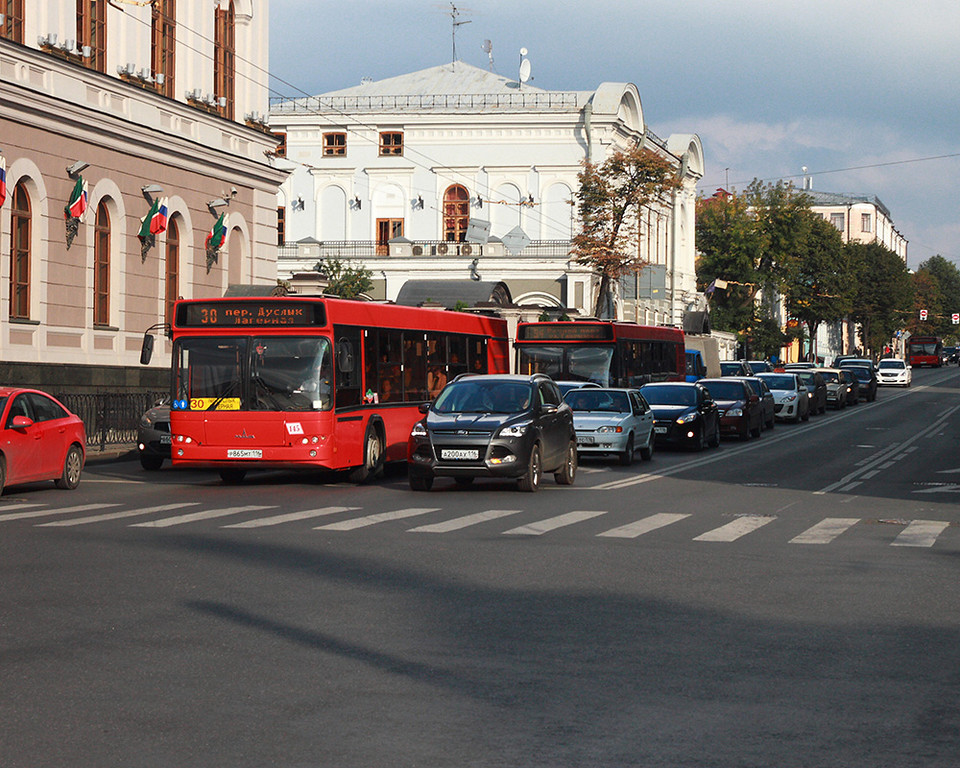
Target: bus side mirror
point(146, 349)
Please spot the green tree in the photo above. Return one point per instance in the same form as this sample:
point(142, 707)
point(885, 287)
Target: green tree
point(820, 286)
point(927, 295)
point(344, 279)
point(612, 196)
point(883, 296)
point(947, 276)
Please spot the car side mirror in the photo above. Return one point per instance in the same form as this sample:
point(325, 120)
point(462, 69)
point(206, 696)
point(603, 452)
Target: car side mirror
point(548, 408)
point(21, 422)
point(754, 399)
point(424, 407)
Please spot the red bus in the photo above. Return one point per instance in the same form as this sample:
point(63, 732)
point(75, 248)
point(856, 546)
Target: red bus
point(608, 353)
point(924, 350)
point(294, 382)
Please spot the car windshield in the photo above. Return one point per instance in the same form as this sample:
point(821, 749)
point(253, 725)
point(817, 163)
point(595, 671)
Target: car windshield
point(669, 395)
point(861, 373)
point(892, 365)
point(808, 378)
point(758, 365)
point(598, 400)
point(725, 390)
point(756, 385)
point(727, 368)
point(781, 382)
point(831, 377)
point(483, 396)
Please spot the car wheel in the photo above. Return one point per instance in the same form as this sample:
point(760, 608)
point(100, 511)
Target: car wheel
point(420, 482)
point(3, 475)
point(151, 463)
point(806, 415)
point(233, 476)
point(626, 456)
point(646, 452)
point(566, 474)
point(72, 467)
point(530, 481)
point(372, 457)
point(715, 440)
point(759, 429)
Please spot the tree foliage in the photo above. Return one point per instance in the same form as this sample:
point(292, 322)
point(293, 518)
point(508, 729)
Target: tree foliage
point(937, 285)
point(883, 294)
point(612, 196)
point(345, 280)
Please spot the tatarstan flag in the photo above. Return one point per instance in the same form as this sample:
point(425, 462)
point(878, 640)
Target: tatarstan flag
point(158, 217)
point(217, 235)
point(78, 199)
point(3, 179)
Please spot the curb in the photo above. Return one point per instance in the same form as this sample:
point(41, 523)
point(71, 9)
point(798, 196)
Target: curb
point(111, 453)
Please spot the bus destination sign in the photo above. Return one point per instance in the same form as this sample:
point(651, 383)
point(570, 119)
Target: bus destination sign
point(263, 313)
point(566, 332)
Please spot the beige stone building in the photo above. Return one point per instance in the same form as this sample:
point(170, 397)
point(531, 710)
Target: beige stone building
point(139, 102)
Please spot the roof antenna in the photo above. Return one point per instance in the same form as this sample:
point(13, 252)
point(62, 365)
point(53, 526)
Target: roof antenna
point(454, 14)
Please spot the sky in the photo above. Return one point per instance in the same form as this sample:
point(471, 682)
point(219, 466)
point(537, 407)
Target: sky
point(864, 94)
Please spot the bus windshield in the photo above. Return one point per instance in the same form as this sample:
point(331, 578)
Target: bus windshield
point(272, 373)
point(568, 362)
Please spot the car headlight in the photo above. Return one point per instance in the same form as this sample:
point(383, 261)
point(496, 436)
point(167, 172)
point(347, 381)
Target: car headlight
point(735, 412)
point(419, 430)
point(514, 430)
point(610, 429)
point(687, 418)
point(790, 398)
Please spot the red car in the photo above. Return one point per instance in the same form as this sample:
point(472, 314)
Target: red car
point(39, 440)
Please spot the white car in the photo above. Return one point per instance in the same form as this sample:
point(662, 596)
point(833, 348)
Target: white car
point(894, 372)
point(612, 421)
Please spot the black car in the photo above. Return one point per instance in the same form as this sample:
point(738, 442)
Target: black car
point(816, 388)
point(868, 381)
point(153, 436)
point(768, 406)
point(735, 368)
point(494, 426)
point(853, 385)
point(684, 412)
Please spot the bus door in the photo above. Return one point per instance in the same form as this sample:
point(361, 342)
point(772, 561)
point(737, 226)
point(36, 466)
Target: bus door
point(350, 418)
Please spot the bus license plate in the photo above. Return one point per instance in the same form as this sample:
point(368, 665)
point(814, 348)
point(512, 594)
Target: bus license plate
point(244, 453)
point(459, 453)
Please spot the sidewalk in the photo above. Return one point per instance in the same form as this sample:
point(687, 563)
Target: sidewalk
point(125, 452)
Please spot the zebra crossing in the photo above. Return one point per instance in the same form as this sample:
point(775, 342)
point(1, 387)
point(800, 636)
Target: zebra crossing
point(733, 528)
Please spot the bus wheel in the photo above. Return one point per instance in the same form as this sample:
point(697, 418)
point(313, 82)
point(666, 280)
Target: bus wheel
point(233, 476)
point(372, 458)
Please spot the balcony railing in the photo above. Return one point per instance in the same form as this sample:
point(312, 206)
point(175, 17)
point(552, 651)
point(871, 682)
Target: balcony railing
point(352, 250)
point(456, 102)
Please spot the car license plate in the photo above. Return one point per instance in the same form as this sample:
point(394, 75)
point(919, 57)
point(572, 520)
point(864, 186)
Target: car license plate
point(166, 439)
point(585, 439)
point(459, 453)
point(660, 430)
point(244, 453)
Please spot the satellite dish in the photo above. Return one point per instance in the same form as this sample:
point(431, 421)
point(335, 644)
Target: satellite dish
point(524, 70)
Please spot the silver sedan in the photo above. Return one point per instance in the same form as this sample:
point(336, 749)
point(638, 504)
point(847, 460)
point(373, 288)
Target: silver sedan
point(617, 421)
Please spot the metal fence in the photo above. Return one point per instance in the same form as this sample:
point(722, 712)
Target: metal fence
point(111, 418)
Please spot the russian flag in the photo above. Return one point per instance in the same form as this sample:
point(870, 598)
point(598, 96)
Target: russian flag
point(3, 179)
point(158, 221)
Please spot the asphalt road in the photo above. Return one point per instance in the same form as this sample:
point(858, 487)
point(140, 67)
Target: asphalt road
point(787, 601)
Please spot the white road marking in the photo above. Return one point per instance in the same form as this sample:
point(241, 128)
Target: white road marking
point(552, 523)
point(307, 514)
point(920, 533)
point(735, 528)
point(118, 515)
point(382, 517)
point(647, 524)
point(45, 512)
point(210, 514)
point(464, 522)
point(825, 531)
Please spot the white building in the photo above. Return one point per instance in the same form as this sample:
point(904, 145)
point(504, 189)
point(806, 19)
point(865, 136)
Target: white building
point(142, 101)
point(400, 174)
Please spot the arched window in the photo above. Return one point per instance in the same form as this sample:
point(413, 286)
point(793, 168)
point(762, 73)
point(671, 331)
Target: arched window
point(101, 266)
point(163, 30)
point(456, 213)
point(20, 254)
point(92, 32)
point(225, 59)
point(172, 284)
point(12, 27)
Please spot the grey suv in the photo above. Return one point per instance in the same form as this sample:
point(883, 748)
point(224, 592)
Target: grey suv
point(494, 426)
